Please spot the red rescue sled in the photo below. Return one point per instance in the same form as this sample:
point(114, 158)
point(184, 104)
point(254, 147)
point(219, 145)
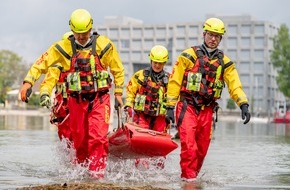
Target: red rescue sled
point(131, 141)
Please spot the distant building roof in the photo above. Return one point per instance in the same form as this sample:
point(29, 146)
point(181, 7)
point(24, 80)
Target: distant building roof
point(121, 20)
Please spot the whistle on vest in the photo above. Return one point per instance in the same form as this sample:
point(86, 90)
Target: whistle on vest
point(93, 70)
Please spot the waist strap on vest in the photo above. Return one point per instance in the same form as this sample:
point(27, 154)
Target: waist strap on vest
point(88, 96)
point(192, 100)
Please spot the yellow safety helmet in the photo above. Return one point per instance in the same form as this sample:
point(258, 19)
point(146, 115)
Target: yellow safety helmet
point(80, 21)
point(159, 54)
point(67, 34)
point(214, 25)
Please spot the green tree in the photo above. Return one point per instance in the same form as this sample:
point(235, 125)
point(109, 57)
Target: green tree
point(231, 105)
point(12, 72)
point(280, 57)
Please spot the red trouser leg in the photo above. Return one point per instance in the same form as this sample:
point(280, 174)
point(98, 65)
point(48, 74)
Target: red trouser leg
point(64, 129)
point(139, 118)
point(194, 134)
point(98, 126)
point(89, 131)
point(160, 124)
point(60, 111)
point(203, 133)
point(79, 127)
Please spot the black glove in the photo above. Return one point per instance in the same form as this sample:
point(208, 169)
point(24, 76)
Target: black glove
point(28, 93)
point(170, 115)
point(245, 113)
point(45, 100)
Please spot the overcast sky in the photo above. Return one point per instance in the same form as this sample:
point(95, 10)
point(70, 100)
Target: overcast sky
point(29, 27)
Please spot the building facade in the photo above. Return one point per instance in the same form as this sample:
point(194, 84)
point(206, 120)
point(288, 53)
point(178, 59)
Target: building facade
point(248, 42)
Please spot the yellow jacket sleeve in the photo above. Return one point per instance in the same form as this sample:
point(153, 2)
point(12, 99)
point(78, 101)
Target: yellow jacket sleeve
point(50, 80)
point(231, 77)
point(49, 58)
point(133, 87)
point(110, 58)
point(184, 62)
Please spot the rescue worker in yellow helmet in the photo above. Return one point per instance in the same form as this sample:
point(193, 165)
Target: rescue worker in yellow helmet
point(59, 111)
point(197, 81)
point(84, 62)
point(146, 93)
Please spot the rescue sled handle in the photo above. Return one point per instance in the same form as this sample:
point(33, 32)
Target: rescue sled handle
point(117, 104)
point(151, 132)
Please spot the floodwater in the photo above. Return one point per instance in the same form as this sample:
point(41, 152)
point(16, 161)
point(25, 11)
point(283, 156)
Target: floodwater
point(253, 156)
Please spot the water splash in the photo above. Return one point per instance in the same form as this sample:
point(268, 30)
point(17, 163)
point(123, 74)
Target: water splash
point(67, 168)
point(118, 171)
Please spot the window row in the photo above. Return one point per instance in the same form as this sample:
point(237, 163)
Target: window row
point(257, 67)
point(245, 42)
point(245, 29)
point(179, 30)
point(136, 32)
point(245, 54)
point(181, 42)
